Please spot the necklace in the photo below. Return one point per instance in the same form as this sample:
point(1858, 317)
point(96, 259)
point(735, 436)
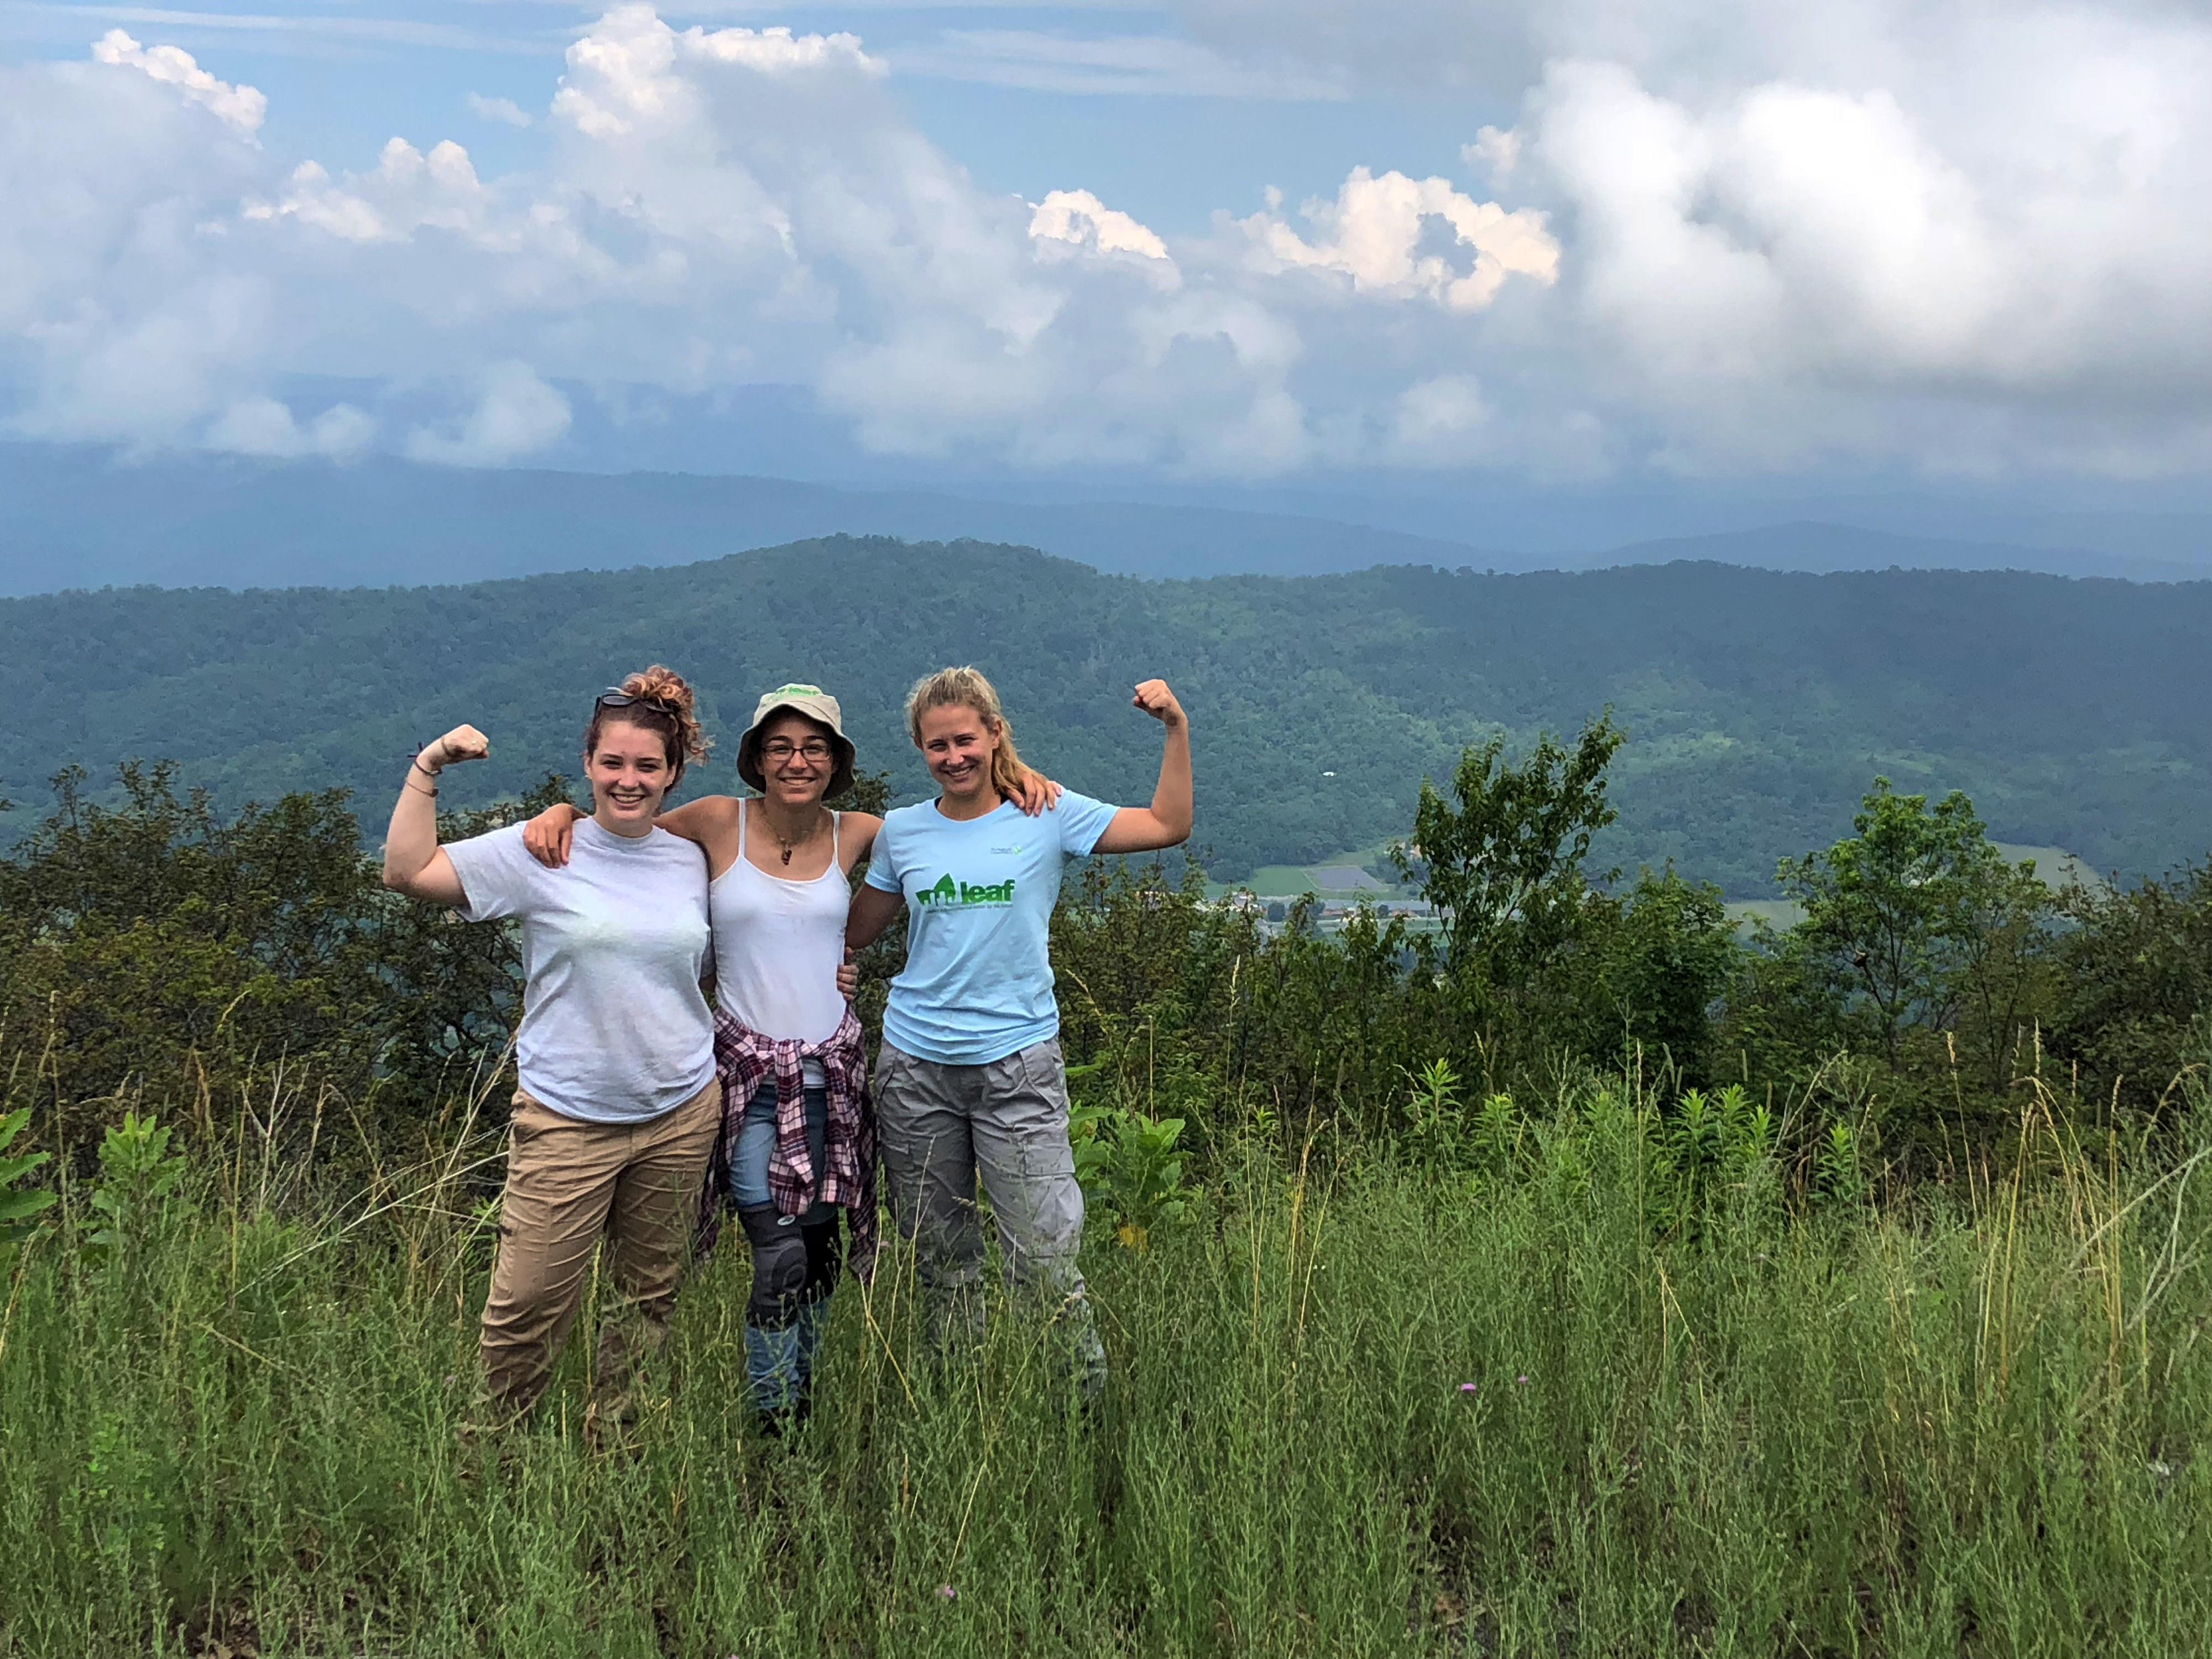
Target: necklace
point(790, 846)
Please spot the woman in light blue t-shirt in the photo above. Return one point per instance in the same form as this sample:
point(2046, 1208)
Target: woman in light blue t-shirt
point(969, 1082)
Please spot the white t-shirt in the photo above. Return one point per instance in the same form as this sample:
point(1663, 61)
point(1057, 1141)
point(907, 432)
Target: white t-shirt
point(615, 1029)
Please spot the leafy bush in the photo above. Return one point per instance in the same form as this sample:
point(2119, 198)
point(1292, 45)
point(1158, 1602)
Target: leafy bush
point(219, 974)
point(2132, 972)
point(1129, 1165)
point(18, 1205)
point(155, 950)
point(138, 1176)
point(1434, 1136)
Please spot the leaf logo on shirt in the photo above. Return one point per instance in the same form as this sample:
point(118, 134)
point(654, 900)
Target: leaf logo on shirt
point(948, 892)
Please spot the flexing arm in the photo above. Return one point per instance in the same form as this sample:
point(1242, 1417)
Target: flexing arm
point(1166, 822)
point(414, 863)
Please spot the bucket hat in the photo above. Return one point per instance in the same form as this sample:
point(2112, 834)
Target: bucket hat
point(816, 705)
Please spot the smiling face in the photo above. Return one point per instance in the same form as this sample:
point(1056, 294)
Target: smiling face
point(797, 758)
point(957, 747)
point(630, 773)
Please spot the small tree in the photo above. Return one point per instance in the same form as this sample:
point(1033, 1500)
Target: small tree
point(1502, 861)
point(1651, 967)
point(1916, 913)
point(2134, 1003)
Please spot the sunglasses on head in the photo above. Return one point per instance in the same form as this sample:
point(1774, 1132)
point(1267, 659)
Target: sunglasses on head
point(611, 698)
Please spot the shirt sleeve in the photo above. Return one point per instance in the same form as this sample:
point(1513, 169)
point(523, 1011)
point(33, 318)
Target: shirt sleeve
point(498, 876)
point(1081, 821)
point(883, 862)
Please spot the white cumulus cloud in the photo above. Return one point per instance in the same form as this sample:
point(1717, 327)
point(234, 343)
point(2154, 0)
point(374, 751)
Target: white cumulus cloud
point(240, 108)
point(517, 415)
point(504, 111)
point(1404, 237)
point(1949, 233)
point(262, 426)
point(1923, 232)
point(1075, 224)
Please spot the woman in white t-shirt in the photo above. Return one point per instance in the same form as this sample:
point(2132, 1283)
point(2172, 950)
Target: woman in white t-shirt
point(617, 1101)
point(798, 1139)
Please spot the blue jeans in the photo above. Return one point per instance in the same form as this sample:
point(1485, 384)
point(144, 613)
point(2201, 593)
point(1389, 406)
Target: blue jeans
point(756, 1139)
point(794, 1261)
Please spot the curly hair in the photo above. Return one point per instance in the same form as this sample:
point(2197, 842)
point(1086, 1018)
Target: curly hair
point(664, 708)
point(966, 688)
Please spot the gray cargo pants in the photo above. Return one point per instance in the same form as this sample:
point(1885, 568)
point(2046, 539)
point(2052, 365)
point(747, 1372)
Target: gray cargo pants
point(939, 1128)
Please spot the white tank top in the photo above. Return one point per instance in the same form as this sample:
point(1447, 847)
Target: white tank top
point(778, 945)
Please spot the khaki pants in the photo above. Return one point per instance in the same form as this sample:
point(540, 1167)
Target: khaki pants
point(567, 1184)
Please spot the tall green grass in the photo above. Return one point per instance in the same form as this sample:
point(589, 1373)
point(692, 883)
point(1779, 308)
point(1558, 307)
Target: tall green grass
point(1537, 1412)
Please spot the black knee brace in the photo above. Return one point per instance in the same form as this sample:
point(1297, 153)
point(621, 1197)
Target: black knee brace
point(825, 1254)
point(779, 1267)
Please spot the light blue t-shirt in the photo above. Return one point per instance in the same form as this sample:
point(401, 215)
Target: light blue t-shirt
point(979, 897)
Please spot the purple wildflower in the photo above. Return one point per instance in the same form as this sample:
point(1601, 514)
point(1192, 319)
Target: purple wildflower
point(1469, 1388)
point(947, 1592)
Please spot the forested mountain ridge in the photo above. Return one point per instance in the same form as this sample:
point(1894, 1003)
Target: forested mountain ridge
point(1758, 704)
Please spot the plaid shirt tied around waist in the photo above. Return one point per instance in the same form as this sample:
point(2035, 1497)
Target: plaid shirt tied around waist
point(742, 1057)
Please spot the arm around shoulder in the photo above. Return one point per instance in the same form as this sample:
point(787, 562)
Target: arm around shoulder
point(856, 837)
point(872, 910)
point(697, 820)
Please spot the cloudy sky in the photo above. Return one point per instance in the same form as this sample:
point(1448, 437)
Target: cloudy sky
point(1216, 239)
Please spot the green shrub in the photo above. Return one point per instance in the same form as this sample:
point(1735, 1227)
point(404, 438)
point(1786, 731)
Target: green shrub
point(19, 1205)
point(138, 1176)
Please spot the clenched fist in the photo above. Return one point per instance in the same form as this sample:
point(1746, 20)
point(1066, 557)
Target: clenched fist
point(1155, 700)
point(463, 743)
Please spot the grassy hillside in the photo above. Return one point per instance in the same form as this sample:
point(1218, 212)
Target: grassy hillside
point(1373, 1417)
point(1759, 703)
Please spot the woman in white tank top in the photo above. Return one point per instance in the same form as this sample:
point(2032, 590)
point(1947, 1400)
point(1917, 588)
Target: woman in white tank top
point(797, 1141)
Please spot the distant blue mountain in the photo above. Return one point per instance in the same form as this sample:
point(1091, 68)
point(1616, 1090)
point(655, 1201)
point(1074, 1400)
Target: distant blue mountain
point(80, 517)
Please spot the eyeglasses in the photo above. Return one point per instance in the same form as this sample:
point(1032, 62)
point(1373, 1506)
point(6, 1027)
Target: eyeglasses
point(778, 751)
